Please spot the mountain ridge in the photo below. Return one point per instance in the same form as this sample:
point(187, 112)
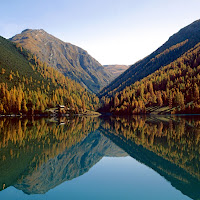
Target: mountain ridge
point(30, 86)
point(71, 60)
point(182, 41)
point(116, 70)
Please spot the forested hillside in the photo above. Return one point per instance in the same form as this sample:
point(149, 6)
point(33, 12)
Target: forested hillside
point(176, 46)
point(70, 60)
point(174, 87)
point(28, 85)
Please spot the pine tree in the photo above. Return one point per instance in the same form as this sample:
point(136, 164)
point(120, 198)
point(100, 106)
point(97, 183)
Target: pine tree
point(76, 110)
point(24, 108)
point(116, 101)
point(196, 92)
point(83, 105)
point(159, 97)
point(170, 100)
point(1, 108)
point(3, 71)
point(10, 77)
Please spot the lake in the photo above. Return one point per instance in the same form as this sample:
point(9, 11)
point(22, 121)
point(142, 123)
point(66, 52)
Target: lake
point(139, 157)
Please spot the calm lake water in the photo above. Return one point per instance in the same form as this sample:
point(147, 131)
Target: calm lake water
point(87, 158)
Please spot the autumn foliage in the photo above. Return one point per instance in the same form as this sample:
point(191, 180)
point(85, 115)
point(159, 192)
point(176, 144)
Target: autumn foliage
point(175, 86)
point(37, 86)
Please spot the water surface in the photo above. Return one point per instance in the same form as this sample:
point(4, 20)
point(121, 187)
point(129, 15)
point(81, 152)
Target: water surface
point(97, 158)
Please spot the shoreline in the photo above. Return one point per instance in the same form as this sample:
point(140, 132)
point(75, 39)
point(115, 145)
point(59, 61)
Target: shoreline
point(93, 114)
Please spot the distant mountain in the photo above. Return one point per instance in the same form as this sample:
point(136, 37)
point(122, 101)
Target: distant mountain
point(176, 46)
point(116, 70)
point(29, 85)
point(69, 59)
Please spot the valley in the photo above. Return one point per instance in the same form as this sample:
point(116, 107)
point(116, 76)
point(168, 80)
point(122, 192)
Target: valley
point(39, 71)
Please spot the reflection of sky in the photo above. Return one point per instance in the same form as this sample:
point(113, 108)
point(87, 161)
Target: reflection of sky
point(112, 31)
point(113, 179)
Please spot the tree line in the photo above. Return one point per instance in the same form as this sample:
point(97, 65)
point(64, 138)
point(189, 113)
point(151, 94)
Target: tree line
point(29, 95)
point(175, 86)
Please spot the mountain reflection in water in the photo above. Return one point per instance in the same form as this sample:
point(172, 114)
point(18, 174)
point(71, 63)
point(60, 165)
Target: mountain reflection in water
point(38, 155)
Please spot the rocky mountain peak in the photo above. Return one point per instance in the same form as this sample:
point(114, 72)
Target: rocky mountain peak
point(72, 61)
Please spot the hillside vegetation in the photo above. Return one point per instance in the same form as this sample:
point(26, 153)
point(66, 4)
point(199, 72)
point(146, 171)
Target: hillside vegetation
point(176, 46)
point(70, 60)
point(28, 85)
point(175, 86)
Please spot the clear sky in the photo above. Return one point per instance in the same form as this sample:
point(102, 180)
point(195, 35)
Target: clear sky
point(112, 31)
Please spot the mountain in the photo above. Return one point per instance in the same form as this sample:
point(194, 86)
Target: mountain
point(13, 62)
point(69, 59)
point(176, 46)
point(28, 85)
point(116, 70)
point(173, 88)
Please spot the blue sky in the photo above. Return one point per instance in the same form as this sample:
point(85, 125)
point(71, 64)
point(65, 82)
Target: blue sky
point(112, 31)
